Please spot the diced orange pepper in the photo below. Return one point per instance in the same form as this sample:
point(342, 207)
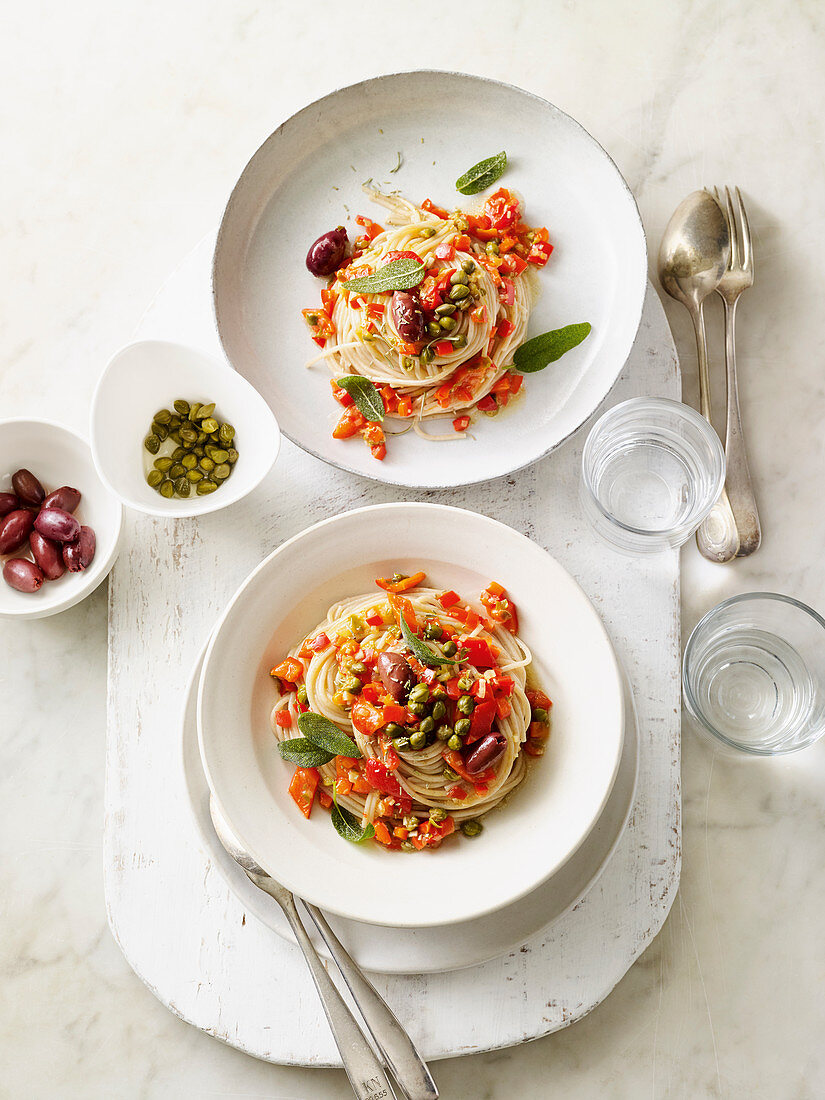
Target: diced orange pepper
point(403, 585)
point(325, 799)
point(303, 787)
point(290, 670)
point(350, 423)
point(394, 713)
point(449, 599)
point(439, 211)
point(382, 833)
point(401, 832)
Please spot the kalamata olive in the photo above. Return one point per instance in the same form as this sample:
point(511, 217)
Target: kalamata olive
point(407, 316)
point(15, 529)
point(54, 523)
point(48, 555)
point(486, 753)
point(9, 502)
point(22, 574)
point(326, 253)
point(65, 497)
point(78, 554)
point(396, 675)
point(27, 487)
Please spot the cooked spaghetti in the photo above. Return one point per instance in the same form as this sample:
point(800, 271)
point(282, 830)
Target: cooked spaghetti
point(436, 709)
point(452, 351)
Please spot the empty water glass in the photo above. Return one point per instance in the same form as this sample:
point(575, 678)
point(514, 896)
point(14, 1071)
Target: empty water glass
point(652, 469)
point(754, 674)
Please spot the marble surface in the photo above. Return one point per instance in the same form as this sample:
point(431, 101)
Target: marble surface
point(123, 131)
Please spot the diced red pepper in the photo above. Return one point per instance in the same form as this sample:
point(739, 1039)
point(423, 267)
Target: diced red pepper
point(539, 254)
point(439, 211)
point(283, 719)
point(444, 347)
point(303, 787)
point(515, 382)
point(325, 799)
point(539, 699)
point(395, 255)
point(405, 608)
point(502, 209)
point(512, 264)
point(341, 396)
point(462, 243)
point(403, 585)
point(371, 228)
point(461, 423)
point(365, 717)
point(505, 327)
point(449, 599)
point(481, 720)
point(380, 778)
point(375, 619)
point(445, 251)
point(350, 424)
point(319, 322)
point(392, 712)
point(487, 404)
point(534, 748)
point(507, 292)
point(458, 793)
point(479, 315)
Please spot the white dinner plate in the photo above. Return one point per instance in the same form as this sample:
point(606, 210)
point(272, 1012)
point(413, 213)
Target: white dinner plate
point(524, 841)
point(444, 947)
point(306, 178)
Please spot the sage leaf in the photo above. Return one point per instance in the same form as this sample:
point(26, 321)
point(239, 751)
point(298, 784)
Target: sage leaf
point(304, 753)
point(325, 735)
point(401, 274)
point(368, 400)
point(420, 649)
point(482, 175)
point(348, 826)
point(535, 354)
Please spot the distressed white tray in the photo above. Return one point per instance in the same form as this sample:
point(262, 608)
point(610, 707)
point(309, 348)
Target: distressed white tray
point(170, 909)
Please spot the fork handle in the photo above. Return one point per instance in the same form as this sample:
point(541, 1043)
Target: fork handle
point(738, 479)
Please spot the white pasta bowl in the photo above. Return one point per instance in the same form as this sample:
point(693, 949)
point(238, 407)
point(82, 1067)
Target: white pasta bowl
point(58, 456)
point(529, 836)
point(150, 375)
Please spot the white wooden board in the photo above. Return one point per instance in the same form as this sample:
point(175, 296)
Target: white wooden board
point(171, 911)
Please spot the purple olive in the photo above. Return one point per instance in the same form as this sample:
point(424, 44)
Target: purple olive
point(48, 555)
point(65, 497)
point(27, 487)
point(407, 316)
point(9, 502)
point(396, 675)
point(78, 554)
point(326, 253)
point(22, 574)
point(54, 523)
point(15, 529)
point(483, 755)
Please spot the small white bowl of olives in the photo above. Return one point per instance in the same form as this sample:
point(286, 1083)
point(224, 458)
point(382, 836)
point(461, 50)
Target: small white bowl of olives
point(177, 432)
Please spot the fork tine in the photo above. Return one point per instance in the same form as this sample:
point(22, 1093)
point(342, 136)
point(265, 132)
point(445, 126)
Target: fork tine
point(747, 251)
point(735, 247)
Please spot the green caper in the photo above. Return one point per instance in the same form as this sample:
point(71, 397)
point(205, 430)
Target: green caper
point(226, 433)
point(233, 456)
point(427, 231)
point(176, 470)
point(448, 773)
point(204, 487)
point(458, 292)
point(444, 732)
point(189, 435)
point(407, 362)
point(471, 828)
point(207, 465)
point(209, 424)
point(418, 740)
point(461, 223)
point(427, 355)
point(358, 667)
point(392, 730)
point(154, 478)
point(401, 743)
point(357, 627)
point(217, 454)
point(303, 698)
point(152, 444)
point(175, 437)
point(433, 631)
point(466, 704)
point(409, 821)
point(163, 416)
point(540, 715)
point(202, 437)
point(420, 694)
point(468, 266)
point(210, 449)
point(188, 461)
point(352, 684)
point(182, 407)
point(167, 489)
point(433, 328)
point(406, 846)
point(492, 248)
point(182, 487)
point(465, 683)
point(222, 472)
point(450, 648)
point(194, 411)
point(460, 340)
point(439, 711)
point(194, 475)
point(427, 725)
point(160, 430)
point(455, 743)
point(205, 411)
point(198, 451)
point(163, 464)
point(174, 423)
point(177, 454)
point(462, 727)
point(458, 277)
point(447, 323)
point(445, 310)
point(417, 708)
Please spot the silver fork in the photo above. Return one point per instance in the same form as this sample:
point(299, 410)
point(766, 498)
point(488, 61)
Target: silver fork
point(738, 277)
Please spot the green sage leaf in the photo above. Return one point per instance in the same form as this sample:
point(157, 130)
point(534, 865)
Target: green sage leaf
point(482, 175)
point(304, 753)
point(368, 400)
point(325, 735)
point(420, 649)
point(535, 354)
point(401, 274)
point(347, 825)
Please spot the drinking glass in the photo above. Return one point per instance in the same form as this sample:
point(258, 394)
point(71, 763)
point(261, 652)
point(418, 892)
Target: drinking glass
point(652, 469)
point(754, 674)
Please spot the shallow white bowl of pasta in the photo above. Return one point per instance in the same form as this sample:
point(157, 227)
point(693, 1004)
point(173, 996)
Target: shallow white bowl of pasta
point(416, 133)
point(525, 839)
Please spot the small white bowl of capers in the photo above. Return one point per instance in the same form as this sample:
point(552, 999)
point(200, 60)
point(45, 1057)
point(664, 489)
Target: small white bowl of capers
point(177, 432)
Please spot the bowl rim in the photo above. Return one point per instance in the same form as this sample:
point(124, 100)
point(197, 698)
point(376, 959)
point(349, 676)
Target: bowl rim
point(81, 591)
point(598, 624)
point(475, 77)
point(200, 506)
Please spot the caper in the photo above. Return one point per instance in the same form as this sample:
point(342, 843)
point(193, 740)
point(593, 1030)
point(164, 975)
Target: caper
point(154, 478)
point(163, 416)
point(198, 451)
point(357, 627)
point(167, 489)
point(207, 465)
point(433, 631)
point(447, 323)
point(194, 475)
point(358, 667)
point(460, 340)
point(420, 694)
point(427, 355)
point(174, 423)
point(427, 231)
point(407, 362)
point(433, 328)
point(193, 410)
point(466, 704)
point(352, 684)
point(175, 437)
point(188, 461)
point(448, 773)
point(217, 454)
point(427, 725)
point(450, 648)
point(392, 729)
point(458, 277)
point(226, 433)
point(202, 437)
point(465, 683)
point(540, 715)
point(303, 698)
point(438, 712)
point(160, 430)
point(462, 727)
point(176, 470)
point(209, 424)
point(406, 846)
point(401, 743)
point(177, 454)
point(418, 740)
point(471, 828)
point(182, 407)
point(162, 464)
point(445, 310)
point(417, 708)
point(232, 456)
point(189, 435)
point(444, 732)
point(468, 266)
point(152, 444)
point(458, 292)
point(205, 486)
point(492, 248)
point(182, 487)
point(409, 821)
point(455, 743)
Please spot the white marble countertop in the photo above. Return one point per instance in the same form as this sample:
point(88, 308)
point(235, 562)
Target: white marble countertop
point(123, 133)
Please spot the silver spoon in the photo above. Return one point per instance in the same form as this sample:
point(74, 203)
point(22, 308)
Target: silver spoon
point(693, 257)
point(365, 1071)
